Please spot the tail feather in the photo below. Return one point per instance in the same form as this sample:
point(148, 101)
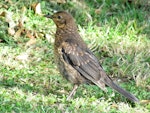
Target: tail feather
point(125, 93)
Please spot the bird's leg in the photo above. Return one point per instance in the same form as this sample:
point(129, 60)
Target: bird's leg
point(72, 93)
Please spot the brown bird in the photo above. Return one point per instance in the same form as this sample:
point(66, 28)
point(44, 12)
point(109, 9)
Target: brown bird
point(75, 60)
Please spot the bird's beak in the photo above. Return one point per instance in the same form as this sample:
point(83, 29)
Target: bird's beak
point(48, 16)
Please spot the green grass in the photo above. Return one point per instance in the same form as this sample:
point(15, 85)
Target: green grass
point(119, 37)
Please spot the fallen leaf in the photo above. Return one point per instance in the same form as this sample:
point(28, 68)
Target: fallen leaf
point(23, 18)
point(18, 33)
point(31, 42)
point(37, 8)
point(9, 19)
point(29, 35)
point(36, 34)
point(3, 14)
point(11, 31)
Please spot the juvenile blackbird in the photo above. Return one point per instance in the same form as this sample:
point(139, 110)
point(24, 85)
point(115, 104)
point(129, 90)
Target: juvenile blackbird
point(75, 60)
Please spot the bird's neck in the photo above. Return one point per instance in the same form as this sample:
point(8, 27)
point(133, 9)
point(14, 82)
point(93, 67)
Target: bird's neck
point(66, 33)
point(67, 29)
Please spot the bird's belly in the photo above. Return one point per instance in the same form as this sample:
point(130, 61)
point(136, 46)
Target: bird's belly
point(70, 73)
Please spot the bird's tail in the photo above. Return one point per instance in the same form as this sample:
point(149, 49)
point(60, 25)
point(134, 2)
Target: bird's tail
point(125, 93)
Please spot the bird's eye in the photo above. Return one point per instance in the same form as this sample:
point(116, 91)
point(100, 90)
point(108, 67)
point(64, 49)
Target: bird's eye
point(59, 17)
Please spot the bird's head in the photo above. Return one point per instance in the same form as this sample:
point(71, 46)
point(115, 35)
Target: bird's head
point(62, 19)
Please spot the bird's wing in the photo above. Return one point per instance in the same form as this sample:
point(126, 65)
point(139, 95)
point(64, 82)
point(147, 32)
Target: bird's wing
point(88, 66)
point(84, 62)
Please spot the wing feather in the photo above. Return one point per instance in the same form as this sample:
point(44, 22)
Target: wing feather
point(82, 60)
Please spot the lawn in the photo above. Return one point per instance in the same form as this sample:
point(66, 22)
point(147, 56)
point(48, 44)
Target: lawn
point(118, 33)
